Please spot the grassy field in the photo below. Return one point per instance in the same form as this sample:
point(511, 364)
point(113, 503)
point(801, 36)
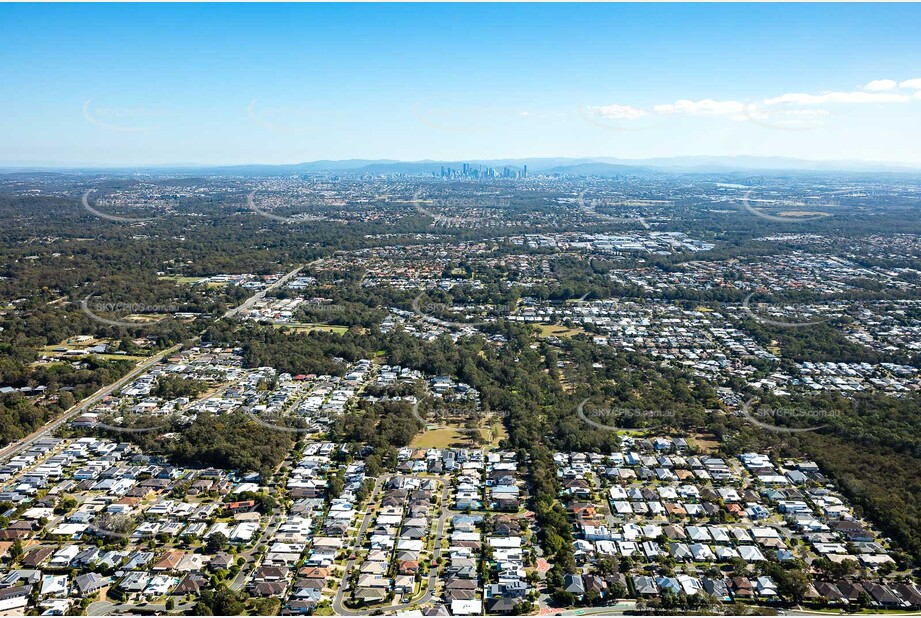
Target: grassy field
point(446, 437)
point(556, 330)
point(439, 438)
point(706, 443)
point(181, 280)
point(145, 318)
point(123, 357)
point(500, 435)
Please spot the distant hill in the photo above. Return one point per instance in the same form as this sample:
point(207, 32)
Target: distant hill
point(587, 166)
point(745, 162)
point(600, 166)
point(595, 168)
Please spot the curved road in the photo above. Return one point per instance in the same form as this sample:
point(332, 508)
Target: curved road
point(106, 608)
point(248, 568)
point(417, 309)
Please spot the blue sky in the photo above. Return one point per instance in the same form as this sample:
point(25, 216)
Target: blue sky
point(267, 83)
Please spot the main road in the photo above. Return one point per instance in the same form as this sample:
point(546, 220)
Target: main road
point(77, 409)
point(248, 304)
point(105, 391)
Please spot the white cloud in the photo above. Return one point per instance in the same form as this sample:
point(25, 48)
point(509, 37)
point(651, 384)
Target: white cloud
point(793, 113)
point(703, 107)
point(619, 111)
point(784, 117)
point(794, 107)
point(524, 113)
point(799, 98)
point(881, 84)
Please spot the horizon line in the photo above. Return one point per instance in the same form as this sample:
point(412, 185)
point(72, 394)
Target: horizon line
point(54, 166)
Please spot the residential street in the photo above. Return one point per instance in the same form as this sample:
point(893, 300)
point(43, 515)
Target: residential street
point(430, 582)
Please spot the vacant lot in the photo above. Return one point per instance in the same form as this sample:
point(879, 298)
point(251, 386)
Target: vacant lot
point(556, 330)
point(181, 280)
point(440, 438)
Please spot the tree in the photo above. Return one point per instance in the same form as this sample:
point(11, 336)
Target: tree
point(65, 505)
point(216, 543)
point(592, 597)
point(617, 590)
point(564, 598)
point(792, 583)
point(222, 602)
point(739, 567)
point(336, 485)
point(16, 551)
point(605, 566)
point(266, 607)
